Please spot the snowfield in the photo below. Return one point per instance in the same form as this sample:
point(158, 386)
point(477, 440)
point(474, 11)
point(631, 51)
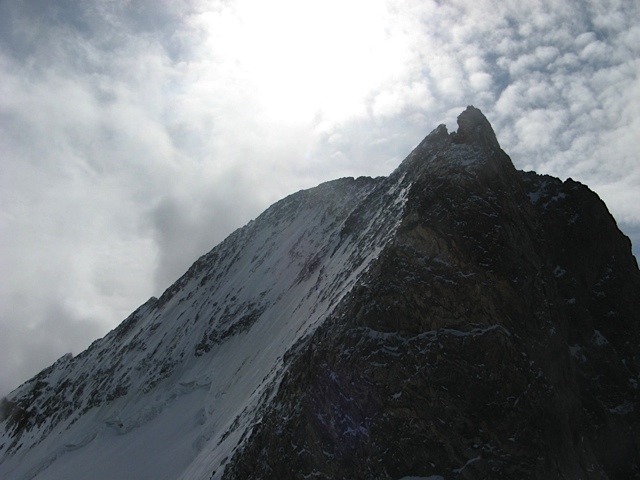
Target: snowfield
point(174, 390)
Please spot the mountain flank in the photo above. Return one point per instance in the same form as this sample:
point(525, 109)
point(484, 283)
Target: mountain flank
point(456, 319)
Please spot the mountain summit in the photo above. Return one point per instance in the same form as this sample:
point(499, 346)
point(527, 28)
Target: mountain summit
point(456, 319)
point(474, 128)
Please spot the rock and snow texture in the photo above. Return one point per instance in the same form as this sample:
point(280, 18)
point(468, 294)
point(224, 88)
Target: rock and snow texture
point(457, 319)
point(173, 389)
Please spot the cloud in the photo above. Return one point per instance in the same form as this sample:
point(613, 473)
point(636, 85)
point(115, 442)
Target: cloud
point(137, 135)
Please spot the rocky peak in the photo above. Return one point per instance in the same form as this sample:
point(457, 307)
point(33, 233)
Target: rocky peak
point(474, 128)
point(457, 319)
point(471, 157)
point(491, 338)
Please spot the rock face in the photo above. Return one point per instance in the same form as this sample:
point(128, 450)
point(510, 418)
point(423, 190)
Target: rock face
point(497, 336)
point(457, 319)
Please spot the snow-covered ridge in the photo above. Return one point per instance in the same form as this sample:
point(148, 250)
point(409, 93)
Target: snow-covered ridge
point(197, 363)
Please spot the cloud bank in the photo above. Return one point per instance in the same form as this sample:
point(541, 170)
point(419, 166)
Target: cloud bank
point(137, 135)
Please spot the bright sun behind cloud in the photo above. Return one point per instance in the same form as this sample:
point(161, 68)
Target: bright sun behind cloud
point(302, 60)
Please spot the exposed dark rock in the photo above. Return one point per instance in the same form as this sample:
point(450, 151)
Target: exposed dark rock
point(475, 129)
point(497, 336)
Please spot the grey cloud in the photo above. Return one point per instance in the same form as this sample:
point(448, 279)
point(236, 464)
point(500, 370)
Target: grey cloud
point(184, 229)
point(28, 346)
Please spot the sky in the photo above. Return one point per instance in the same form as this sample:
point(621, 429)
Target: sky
point(136, 135)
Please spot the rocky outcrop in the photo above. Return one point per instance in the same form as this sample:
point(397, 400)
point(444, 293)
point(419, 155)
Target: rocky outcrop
point(496, 336)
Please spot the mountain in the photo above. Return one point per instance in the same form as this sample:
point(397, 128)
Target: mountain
point(456, 319)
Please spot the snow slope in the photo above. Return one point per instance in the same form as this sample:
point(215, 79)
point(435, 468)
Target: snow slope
point(176, 387)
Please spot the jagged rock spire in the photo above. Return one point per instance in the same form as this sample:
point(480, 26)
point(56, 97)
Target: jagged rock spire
point(473, 127)
point(447, 152)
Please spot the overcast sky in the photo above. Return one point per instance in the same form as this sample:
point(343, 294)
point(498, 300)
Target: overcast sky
point(136, 135)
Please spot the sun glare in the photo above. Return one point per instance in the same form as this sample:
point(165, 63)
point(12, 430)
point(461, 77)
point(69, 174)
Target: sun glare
point(303, 60)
